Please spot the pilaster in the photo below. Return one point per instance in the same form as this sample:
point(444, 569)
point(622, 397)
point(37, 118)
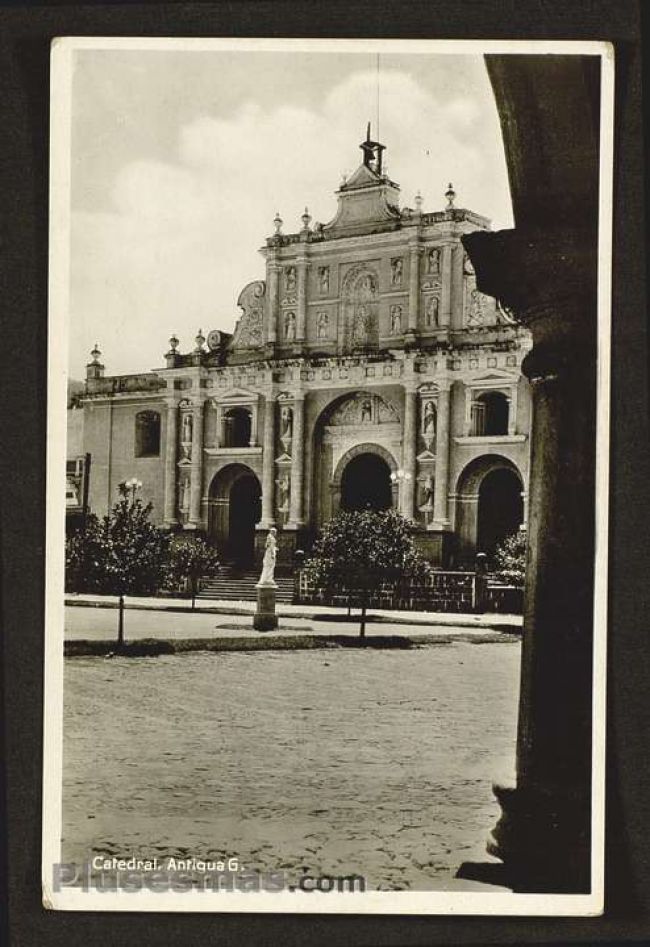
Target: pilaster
point(196, 469)
point(171, 442)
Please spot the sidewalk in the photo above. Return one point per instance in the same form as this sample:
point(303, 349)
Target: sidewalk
point(507, 623)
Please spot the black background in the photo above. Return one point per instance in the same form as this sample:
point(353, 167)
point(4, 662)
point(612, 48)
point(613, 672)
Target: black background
point(25, 34)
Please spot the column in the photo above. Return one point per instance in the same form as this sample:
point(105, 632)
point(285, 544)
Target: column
point(512, 409)
point(254, 416)
point(457, 286)
point(297, 462)
point(272, 311)
point(414, 288)
point(196, 470)
point(268, 463)
point(218, 437)
point(301, 317)
point(171, 439)
point(445, 296)
point(407, 486)
point(442, 459)
point(549, 281)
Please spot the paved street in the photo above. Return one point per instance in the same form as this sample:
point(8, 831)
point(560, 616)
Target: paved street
point(375, 762)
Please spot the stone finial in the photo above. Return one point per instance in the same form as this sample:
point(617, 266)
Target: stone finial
point(306, 220)
point(418, 203)
point(450, 194)
point(200, 341)
point(277, 223)
point(173, 344)
point(95, 355)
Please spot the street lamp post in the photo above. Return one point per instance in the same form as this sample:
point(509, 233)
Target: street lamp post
point(130, 486)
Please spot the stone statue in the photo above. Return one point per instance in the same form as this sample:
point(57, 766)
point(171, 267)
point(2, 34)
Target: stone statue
point(427, 488)
point(290, 326)
point(324, 279)
point(476, 313)
point(395, 320)
point(290, 278)
point(366, 410)
point(431, 311)
point(396, 271)
point(429, 420)
point(184, 495)
point(270, 555)
point(187, 429)
point(286, 418)
point(283, 498)
point(323, 325)
point(433, 261)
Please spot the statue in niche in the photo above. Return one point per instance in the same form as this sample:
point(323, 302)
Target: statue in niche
point(396, 267)
point(366, 410)
point(468, 269)
point(270, 555)
point(290, 279)
point(184, 495)
point(366, 288)
point(324, 279)
point(433, 261)
point(286, 423)
point(283, 493)
point(395, 320)
point(427, 493)
point(429, 419)
point(431, 312)
point(186, 435)
point(322, 325)
point(361, 325)
point(290, 326)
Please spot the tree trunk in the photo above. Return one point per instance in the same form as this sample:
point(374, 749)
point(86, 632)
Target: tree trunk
point(120, 623)
point(362, 626)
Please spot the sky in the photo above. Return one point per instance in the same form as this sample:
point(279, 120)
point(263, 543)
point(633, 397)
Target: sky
point(181, 159)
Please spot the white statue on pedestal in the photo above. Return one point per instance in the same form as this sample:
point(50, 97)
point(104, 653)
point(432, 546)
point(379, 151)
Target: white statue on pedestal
point(268, 563)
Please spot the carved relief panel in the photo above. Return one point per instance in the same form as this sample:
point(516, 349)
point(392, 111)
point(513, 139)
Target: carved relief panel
point(360, 307)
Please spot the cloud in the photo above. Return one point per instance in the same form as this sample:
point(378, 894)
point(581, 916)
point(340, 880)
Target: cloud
point(182, 235)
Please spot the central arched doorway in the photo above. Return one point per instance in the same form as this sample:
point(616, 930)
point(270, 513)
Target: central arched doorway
point(366, 484)
point(500, 509)
point(235, 509)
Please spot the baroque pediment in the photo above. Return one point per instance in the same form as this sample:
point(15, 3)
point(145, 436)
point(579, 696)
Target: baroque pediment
point(249, 331)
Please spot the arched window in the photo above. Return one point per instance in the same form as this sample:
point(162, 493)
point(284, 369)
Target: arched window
point(237, 428)
point(490, 414)
point(147, 434)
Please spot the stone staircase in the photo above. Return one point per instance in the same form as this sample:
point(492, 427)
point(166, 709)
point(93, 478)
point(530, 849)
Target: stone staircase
point(232, 585)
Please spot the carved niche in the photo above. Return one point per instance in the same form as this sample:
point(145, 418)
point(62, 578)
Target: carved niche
point(361, 308)
point(249, 330)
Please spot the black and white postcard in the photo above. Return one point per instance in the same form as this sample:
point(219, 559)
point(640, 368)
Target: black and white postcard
point(328, 434)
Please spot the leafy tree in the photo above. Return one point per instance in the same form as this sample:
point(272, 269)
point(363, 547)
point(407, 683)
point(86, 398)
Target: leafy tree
point(190, 558)
point(123, 554)
point(361, 551)
point(510, 559)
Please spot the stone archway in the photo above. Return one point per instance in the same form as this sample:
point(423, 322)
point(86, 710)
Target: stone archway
point(484, 484)
point(234, 511)
point(362, 479)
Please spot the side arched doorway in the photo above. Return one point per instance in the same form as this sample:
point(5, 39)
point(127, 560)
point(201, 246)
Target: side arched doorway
point(489, 505)
point(235, 508)
point(500, 509)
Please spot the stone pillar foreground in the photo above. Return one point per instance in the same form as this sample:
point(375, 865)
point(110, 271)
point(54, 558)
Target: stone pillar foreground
point(549, 281)
point(171, 438)
point(407, 486)
point(297, 463)
point(441, 491)
point(268, 460)
point(196, 470)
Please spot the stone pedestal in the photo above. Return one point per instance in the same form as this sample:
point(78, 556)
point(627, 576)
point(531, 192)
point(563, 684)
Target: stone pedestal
point(265, 618)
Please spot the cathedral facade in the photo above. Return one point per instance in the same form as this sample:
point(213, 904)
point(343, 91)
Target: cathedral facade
point(366, 371)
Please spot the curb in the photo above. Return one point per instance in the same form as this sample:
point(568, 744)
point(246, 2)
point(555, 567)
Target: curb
point(460, 620)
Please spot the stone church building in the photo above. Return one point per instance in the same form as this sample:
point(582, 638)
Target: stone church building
point(366, 370)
